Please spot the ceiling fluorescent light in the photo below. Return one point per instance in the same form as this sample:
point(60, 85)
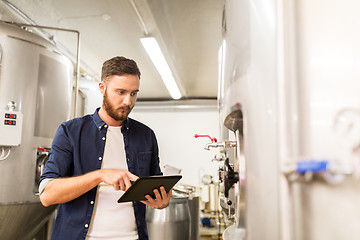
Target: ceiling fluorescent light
point(153, 50)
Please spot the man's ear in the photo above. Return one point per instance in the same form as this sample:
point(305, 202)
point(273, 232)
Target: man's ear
point(102, 87)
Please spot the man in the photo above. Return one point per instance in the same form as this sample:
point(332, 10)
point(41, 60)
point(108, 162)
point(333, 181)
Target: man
point(94, 158)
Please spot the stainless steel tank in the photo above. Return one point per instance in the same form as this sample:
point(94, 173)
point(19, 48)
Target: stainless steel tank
point(35, 83)
point(194, 207)
point(298, 93)
point(173, 222)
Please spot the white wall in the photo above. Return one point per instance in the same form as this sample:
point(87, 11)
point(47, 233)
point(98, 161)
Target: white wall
point(175, 129)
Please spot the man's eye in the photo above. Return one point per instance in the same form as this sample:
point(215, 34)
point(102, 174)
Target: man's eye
point(134, 94)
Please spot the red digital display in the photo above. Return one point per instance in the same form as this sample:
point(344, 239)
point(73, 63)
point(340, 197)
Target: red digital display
point(10, 122)
point(10, 115)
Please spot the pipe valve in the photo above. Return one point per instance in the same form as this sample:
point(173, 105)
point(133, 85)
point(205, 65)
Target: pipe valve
point(212, 139)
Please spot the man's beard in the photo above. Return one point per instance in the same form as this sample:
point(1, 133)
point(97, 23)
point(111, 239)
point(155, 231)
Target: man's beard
point(115, 112)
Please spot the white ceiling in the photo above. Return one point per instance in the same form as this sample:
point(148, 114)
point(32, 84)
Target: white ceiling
point(188, 31)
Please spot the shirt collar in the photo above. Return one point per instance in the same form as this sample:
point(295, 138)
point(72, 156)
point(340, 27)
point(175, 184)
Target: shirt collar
point(100, 123)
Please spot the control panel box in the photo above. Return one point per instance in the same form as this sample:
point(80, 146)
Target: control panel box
point(10, 128)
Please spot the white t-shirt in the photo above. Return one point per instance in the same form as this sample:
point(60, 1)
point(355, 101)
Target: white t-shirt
point(112, 220)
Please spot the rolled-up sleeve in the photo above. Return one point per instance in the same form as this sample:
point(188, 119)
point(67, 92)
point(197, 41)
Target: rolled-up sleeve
point(43, 184)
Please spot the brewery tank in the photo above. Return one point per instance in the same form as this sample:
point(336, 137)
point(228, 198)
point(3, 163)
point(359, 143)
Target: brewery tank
point(35, 97)
point(172, 222)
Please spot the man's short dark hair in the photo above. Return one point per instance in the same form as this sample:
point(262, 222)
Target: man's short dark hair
point(119, 66)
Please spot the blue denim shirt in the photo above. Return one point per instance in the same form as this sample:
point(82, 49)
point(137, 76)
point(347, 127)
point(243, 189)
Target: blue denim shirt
point(78, 148)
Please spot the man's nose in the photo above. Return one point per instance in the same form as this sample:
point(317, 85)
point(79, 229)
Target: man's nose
point(127, 100)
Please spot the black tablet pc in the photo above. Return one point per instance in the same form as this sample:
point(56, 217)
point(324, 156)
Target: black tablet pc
point(146, 185)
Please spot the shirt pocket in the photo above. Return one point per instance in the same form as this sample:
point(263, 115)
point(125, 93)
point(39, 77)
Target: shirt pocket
point(144, 162)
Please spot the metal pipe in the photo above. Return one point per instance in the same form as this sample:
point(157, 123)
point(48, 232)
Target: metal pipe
point(77, 66)
point(18, 12)
point(50, 37)
point(286, 41)
point(140, 17)
point(27, 19)
point(239, 184)
point(227, 144)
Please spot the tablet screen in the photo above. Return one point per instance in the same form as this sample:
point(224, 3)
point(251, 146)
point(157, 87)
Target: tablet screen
point(146, 185)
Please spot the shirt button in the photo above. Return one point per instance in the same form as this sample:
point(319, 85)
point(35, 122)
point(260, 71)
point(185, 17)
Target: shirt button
point(86, 225)
point(128, 160)
point(103, 138)
point(100, 127)
point(92, 202)
point(106, 126)
point(100, 158)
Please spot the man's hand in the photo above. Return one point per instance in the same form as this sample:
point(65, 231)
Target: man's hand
point(162, 199)
point(63, 190)
point(120, 179)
